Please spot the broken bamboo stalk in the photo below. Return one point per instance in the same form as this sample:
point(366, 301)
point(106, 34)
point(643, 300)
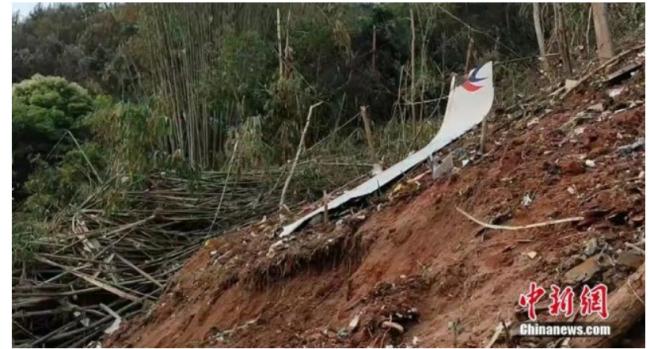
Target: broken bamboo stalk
point(225, 185)
point(295, 160)
point(91, 280)
point(140, 271)
point(326, 217)
point(518, 227)
point(468, 56)
point(368, 132)
point(601, 67)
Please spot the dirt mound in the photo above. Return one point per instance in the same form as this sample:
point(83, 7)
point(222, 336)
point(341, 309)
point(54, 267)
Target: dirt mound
point(410, 269)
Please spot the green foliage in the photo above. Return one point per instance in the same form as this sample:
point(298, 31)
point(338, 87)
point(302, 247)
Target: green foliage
point(25, 230)
point(81, 42)
point(131, 133)
point(43, 110)
point(51, 188)
point(245, 65)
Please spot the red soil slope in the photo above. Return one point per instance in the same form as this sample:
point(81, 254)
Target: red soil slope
point(411, 257)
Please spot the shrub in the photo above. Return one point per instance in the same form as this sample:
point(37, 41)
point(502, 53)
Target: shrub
point(43, 109)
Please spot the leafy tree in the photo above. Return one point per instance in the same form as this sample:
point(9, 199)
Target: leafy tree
point(44, 110)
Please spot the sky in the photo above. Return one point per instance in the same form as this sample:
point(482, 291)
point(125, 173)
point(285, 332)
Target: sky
point(23, 7)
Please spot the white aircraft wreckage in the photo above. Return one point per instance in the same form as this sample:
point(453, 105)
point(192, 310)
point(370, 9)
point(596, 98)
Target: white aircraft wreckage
point(468, 104)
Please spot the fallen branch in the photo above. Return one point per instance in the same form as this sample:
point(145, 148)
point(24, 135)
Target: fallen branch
point(225, 184)
point(140, 271)
point(626, 308)
point(635, 247)
point(601, 67)
point(90, 280)
point(295, 160)
point(518, 227)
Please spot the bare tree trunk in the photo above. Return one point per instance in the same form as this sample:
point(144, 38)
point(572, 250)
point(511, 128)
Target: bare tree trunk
point(374, 49)
point(539, 32)
point(412, 65)
point(601, 28)
point(587, 32)
point(279, 44)
point(562, 37)
point(368, 132)
point(468, 56)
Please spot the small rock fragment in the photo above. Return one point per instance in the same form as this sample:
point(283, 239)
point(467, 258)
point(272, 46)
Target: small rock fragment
point(415, 340)
point(393, 325)
point(531, 254)
point(598, 107)
point(630, 259)
point(590, 163)
point(570, 84)
point(591, 247)
point(532, 122)
point(354, 323)
point(612, 93)
point(583, 272)
point(638, 144)
point(571, 167)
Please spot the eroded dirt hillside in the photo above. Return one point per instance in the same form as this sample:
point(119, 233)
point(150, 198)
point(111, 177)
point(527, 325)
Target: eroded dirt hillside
point(411, 258)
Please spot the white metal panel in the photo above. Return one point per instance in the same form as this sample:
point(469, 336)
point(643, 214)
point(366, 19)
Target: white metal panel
point(467, 106)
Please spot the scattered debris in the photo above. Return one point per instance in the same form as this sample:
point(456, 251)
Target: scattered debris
point(638, 144)
point(623, 73)
point(527, 200)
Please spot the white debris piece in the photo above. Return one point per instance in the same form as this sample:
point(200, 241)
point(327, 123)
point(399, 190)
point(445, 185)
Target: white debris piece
point(467, 106)
point(527, 200)
point(441, 168)
point(570, 84)
point(612, 93)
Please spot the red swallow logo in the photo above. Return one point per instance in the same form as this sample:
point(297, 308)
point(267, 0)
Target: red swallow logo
point(469, 84)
